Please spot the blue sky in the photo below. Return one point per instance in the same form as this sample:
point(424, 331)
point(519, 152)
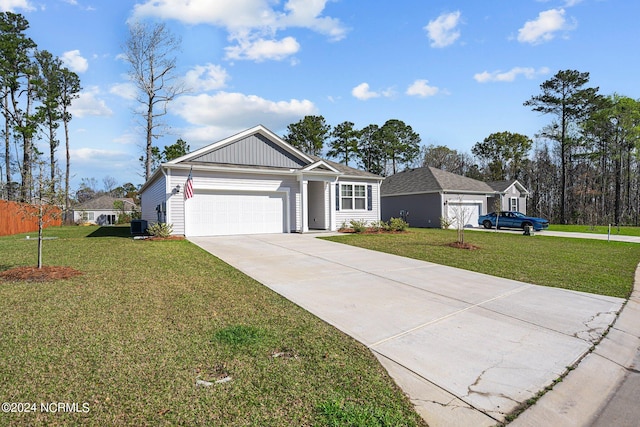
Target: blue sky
point(456, 71)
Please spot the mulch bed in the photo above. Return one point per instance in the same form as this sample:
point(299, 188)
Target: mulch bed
point(35, 274)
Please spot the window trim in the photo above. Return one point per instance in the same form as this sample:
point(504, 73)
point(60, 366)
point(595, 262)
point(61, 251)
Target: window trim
point(511, 204)
point(353, 197)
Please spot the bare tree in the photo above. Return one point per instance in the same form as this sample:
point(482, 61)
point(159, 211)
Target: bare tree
point(150, 52)
point(109, 183)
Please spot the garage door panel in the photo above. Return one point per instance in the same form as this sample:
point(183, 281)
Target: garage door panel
point(469, 212)
point(225, 213)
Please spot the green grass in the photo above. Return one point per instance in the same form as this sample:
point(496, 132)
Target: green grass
point(594, 266)
point(147, 319)
point(597, 229)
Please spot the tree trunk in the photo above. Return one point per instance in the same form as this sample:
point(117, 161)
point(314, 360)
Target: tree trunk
point(40, 235)
point(7, 147)
point(149, 138)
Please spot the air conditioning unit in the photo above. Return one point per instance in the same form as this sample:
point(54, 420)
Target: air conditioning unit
point(138, 227)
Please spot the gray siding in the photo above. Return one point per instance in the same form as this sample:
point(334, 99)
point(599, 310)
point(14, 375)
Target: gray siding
point(424, 209)
point(255, 150)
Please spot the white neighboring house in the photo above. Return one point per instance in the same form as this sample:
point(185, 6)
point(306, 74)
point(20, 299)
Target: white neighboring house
point(101, 210)
point(255, 182)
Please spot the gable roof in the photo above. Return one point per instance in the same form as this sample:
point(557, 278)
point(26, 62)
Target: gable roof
point(257, 146)
point(260, 150)
point(431, 180)
point(347, 171)
point(105, 203)
point(503, 186)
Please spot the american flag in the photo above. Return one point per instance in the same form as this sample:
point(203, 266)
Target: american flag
point(188, 186)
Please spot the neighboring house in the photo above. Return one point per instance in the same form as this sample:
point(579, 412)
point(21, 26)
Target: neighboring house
point(512, 195)
point(101, 210)
point(254, 182)
point(427, 195)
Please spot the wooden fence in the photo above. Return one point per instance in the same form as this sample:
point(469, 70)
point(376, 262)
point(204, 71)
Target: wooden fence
point(18, 218)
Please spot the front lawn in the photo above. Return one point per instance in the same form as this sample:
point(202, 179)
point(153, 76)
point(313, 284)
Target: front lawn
point(143, 336)
point(594, 266)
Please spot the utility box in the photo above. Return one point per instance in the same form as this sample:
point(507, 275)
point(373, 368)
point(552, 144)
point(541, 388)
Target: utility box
point(138, 227)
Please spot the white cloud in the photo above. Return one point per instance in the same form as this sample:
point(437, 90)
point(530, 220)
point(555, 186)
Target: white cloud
point(232, 111)
point(75, 62)
point(543, 28)
point(97, 155)
point(206, 78)
point(511, 75)
point(253, 23)
point(260, 49)
point(13, 5)
point(443, 30)
point(307, 14)
point(88, 104)
point(363, 92)
point(124, 90)
point(421, 88)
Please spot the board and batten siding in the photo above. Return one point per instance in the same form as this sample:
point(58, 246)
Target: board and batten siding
point(154, 195)
point(252, 150)
point(344, 216)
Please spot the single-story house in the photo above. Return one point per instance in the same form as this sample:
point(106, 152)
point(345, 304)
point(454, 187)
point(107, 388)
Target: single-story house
point(101, 210)
point(428, 196)
point(255, 182)
point(511, 194)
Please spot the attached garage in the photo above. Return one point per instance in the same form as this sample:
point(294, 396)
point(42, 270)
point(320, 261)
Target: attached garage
point(467, 211)
point(215, 213)
point(254, 182)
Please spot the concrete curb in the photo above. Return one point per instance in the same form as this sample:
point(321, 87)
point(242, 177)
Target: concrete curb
point(585, 391)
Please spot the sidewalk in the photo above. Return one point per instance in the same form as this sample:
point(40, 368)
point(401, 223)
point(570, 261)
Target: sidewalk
point(548, 233)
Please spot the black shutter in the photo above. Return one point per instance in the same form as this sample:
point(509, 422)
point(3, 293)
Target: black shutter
point(369, 197)
point(337, 197)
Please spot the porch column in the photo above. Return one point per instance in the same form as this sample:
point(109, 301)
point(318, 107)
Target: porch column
point(332, 206)
point(304, 201)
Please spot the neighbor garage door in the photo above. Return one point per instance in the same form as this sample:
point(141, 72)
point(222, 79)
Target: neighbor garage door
point(466, 211)
point(226, 213)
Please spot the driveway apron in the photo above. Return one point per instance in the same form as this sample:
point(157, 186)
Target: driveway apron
point(467, 348)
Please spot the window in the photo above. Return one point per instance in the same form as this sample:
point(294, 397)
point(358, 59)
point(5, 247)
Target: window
point(513, 204)
point(353, 196)
point(87, 216)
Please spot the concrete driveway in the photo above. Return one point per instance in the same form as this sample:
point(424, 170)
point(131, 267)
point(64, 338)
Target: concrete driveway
point(467, 348)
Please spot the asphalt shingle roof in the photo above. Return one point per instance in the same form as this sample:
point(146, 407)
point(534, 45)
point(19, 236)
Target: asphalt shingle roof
point(104, 202)
point(347, 170)
point(431, 180)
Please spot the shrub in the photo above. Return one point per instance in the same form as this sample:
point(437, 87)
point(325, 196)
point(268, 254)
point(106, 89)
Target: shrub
point(398, 224)
point(359, 226)
point(445, 222)
point(160, 229)
point(379, 226)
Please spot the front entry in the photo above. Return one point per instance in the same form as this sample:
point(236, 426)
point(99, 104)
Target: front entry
point(317, 205)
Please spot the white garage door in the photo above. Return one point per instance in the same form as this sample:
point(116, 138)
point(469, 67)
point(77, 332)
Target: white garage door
point(225, 213)
point(468, 212)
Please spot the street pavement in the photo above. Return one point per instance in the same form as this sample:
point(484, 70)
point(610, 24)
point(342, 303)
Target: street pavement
point(467, 348)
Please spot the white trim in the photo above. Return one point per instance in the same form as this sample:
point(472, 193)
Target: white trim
point(319, 163)
point(353, 196)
